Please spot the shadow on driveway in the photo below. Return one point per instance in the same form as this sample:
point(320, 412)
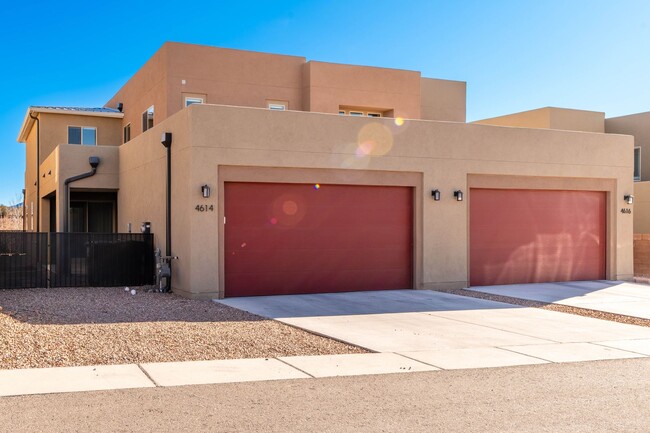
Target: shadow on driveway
point(359, 303)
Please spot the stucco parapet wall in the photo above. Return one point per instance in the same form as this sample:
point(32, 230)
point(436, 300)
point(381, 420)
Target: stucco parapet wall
point(49, 172)
point(72, 160)
point(261, 130)
point(552, 118)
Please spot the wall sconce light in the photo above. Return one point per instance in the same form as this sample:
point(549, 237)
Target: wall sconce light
point(458, 195)
point(629, 198)
point(205, 191)
point(435, 194)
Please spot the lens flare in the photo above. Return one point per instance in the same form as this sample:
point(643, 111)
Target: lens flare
point(289, 207)
point(287, 210)
point(374, 139)
point(317, 186)
point(399, 121)
point(365, 149)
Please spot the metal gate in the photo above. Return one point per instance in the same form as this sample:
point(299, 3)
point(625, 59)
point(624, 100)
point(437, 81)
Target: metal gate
point(75, 259)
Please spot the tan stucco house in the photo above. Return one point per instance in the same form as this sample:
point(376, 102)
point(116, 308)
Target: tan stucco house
point(296, 176)
point(637, 125)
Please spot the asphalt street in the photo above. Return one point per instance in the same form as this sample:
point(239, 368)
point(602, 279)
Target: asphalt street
point(598, 396)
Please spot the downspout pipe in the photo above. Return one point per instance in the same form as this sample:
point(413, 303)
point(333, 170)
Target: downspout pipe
point(94, 163)
point(38, 171)
point(166, 141)
point(23, 209)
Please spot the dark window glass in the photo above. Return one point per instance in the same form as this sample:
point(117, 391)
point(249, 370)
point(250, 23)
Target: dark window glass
point(147, 119)
point(74, 135)
point(77, 217)
point(100, 217)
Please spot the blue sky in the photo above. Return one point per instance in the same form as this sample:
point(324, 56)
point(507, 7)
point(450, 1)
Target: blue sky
point(514, 55)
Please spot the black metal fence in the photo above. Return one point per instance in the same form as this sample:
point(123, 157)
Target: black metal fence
point(75, 259)
point(23, 260)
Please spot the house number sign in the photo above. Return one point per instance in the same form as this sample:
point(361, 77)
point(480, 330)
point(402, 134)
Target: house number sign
point(626, 210)
point(204, 208)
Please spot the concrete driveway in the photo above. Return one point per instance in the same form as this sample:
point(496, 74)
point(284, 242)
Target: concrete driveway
point(616, 297)
point(449, 331)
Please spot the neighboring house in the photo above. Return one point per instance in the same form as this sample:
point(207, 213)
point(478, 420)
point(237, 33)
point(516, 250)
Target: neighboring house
point(295, 176)
point(637, 125)
point(61, 139)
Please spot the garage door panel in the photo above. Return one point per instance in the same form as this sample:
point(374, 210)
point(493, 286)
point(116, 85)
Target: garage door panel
point(277, 238)
point(274, 283)
point(292, 238)
point(519, 236)
point(314, 260)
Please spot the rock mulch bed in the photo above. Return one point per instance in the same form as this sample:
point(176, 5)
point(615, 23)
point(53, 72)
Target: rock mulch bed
point(552, 307)
point(89, 326)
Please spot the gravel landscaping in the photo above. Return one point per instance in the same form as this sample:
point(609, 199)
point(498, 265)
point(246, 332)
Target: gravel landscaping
point(89, 326)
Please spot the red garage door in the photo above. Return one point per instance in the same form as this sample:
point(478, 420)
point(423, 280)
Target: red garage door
point(295, 238)
point(531, 236)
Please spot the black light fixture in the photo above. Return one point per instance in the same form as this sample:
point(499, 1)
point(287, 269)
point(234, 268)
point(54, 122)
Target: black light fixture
point(458, 195)
point(166, 139)
point(120, 107)
point(205, 191)
point(435, 194)
point(629, 198)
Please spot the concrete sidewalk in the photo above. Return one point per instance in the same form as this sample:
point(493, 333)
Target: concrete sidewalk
point(617, 297)
point(165, 374)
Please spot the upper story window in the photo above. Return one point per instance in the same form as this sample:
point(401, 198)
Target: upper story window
point(84, 135)
point(127, 133)
point(637, 163)
point(147, 119)
point(277, 105)
point(192, 100)
point(359, 112)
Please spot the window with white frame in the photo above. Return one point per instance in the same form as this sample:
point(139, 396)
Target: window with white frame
point(127, 133)
point(277, 105)
point(637, 163)
point(359, 112)
point(147, 119)
point(83, 135)
point(189, 100)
